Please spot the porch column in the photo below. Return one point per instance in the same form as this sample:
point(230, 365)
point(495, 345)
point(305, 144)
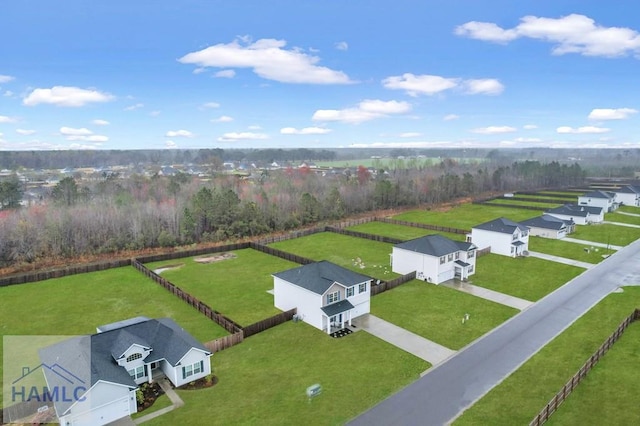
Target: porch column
point(149, 373)
point(328, 324)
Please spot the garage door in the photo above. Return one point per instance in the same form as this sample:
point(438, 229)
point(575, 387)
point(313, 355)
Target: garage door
point(103, 415)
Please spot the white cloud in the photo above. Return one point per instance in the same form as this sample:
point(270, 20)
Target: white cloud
point(450, 117)
point(430, 85)
point(493, 130)
point(199, 70)
point(582, 130)
point(529, 127)
point(268, 59)
point(134, 107)
point(570, 34)
point(611, 113)
point(5, 119)
point(366, 110)
point(170, 144)
point(222, 119)
point(483, 86)
point(225, 74)
point(179, 133)
point(342, 45)
point(410, 135)
point(6, 78)
point(254, 127)
point(237, 136)
point(304, 131)
point(155, 113)
point(99, 122)
point(66, 96)
point(81, 134)
point(8, 93)
point(25, 132)
point(530, 140)
point(210, 105)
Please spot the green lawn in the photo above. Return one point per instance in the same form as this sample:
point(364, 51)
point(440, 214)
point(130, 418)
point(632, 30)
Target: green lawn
point(630, 209)
point(610, 390)
point(345, 251)
point(607, 234)
point(435, 312)
point(516, 202)
point(529, 278)
point(623, 218)
point(561, 194)
point(236, 287)
point(566, 249)
point(402, 232)
point(263, 380)
point(522, 395)
point(465, 216)
point(162, 402)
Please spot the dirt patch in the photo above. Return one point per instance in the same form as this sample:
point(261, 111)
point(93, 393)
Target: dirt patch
point(205, 382)
point(168, 268)
point(215, 258)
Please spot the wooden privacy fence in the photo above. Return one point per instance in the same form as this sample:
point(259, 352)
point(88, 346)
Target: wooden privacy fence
point(483, 251)
point(224, 342)
point(290, 235)
point(424, 226)
point(267, 323)
point(281, 253)
point(63, 272)
point(566, 390)
point(193, 252)
point(379, 238)
point(388, 285)
point(547, 200)
point(513, 206)
point(539, 194)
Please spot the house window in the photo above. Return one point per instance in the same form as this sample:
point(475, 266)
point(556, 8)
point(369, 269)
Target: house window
point(362, 288)
point(137, 373)
point(457, 255)
point(133, 357)
point(333, 297)
point(350, 291)
point(470, 268)
point(512, 248)
point(450, 257)
point(470, 254)
point(524, 233)
point(515, 236)
point(190, 370)
point(442, 260)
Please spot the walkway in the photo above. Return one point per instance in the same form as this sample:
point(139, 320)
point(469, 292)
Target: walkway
point(559, 259)
point(451, 387)
point(591, 243)
point(173, 396)
point(416, 345)
point(628, 214)
point(629, 225)
point(485, 293)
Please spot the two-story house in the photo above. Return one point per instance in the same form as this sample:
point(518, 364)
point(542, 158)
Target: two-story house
point(434, 258)
point(603, 199)
point(549, 226)
point(326, 295)
point(504, 236)
point(580, 215)
point(628, 195)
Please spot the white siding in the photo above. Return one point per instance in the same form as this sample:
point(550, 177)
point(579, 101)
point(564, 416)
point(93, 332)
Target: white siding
point(577, 220)
point(547, 233)
point(627, 199)
point(288, 296)
point(193, 356)
point(104, 403)
point(605, 203)
point(427, 267)
point(499, 242)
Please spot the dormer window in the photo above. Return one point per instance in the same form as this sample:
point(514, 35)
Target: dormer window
point(133, 357)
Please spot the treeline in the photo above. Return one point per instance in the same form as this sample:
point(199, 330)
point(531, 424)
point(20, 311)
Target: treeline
point(140, 212)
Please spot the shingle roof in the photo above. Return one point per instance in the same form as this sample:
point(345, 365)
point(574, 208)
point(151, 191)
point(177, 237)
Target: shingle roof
point(336, 308)
point(502, 225)
point(545, 221)
point(575, 210)
point(598, 194)
point(628, 190)
point(318, 277)
point(434, 245)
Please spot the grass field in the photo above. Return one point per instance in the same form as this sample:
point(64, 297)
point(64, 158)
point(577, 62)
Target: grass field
point(523, 394)
point(263, 380)
point(623, 218)
point(516, 202)
point(436, 312)
point(607, 234)
point(344, 250)
point(236, 287)
point(526, 277)
point(402, 232)
point(561, 194)
point(630, 209)
point(465, 216)
point(565, 249)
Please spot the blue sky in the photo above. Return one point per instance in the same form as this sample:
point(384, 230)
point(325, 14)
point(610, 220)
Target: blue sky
point(318, 74)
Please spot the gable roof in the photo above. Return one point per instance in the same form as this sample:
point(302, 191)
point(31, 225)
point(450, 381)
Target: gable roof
point(629, 189)
point(547, 222)
point(575, 210)
point(318, 277)
point(598, 194)
point(434, 245)
point(501, 225)
point(91, 357)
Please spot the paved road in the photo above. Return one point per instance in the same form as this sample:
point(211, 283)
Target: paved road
point(564, 260)
point(430, 351)
point(485, 293)
point(448, 389)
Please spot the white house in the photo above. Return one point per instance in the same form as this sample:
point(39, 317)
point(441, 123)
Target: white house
point(603, 199)
point(99, 373)
point(628, 195)
point(434, 258)
point(548, 226)
point(326, 295)
point(504, 236)
point(581, 215)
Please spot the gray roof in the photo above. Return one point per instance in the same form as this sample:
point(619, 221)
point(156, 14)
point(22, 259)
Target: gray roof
point(461, 263)
point(91, 357)
point(547, 222)
point(336, 308)
point(571, 210)
point(120, 324)
point(517, 243)
point(320, 276)
point(434, 245)
point(502, 225)
point(628, 190)
point(598, 194)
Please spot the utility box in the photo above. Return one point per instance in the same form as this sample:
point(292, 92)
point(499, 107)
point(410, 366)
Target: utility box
point(314, 390)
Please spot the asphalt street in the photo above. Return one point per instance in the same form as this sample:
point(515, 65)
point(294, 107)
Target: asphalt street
point(448, 389)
